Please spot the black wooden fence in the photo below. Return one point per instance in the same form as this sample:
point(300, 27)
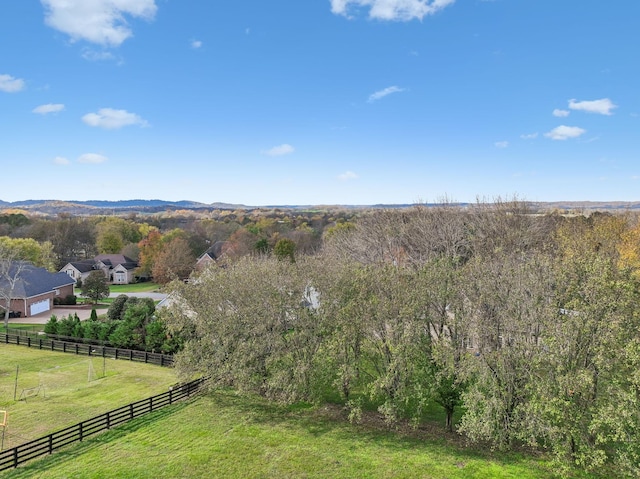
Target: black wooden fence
point(88, 349)
point(12, 458)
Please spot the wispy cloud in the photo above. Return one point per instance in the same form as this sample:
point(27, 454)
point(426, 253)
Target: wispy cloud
point(501, 144)
point(385, 92)
point(60, 160)
point(561, 113)
point(111, 119)
point(97, 56)
point(92, 158)
point(602, 106)
point(347, 175)
point(280, 150)
point(195, 44)
point(10, 84)
point(48, 108)
point(400, 10)
point(564, 132)
point(529, 136)
point(96, 21)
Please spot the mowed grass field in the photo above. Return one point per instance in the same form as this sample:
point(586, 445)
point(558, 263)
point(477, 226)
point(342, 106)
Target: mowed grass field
point(59, 390)
point(222, 435)
point(145, 287)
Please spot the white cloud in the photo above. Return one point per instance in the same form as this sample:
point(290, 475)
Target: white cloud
point(403, 10)
point(561, 113)
point(97, 21)
point(602, 106)
point(280, 150)
point(501, 144)
point(529, 136)
point(195, 44)
point(48, 108)
point(113, 119)
point(92, 158)
point(563, 132)
point(347, 175)
point(382, 93)
point(9, 84)
point(97, 56)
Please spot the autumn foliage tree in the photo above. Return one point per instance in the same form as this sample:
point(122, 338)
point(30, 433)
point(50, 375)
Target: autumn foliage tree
point(174, 261)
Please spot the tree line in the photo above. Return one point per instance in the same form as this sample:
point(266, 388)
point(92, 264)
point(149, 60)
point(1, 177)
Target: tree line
point(166, 247)
point(523, 328)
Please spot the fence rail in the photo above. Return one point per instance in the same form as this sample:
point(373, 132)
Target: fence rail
point(12, 458)
point(88, 349)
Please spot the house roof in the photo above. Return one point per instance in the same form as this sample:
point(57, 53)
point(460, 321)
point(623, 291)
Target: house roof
point(215, 251)
point(82, 266)
point(33, 281)
point(114, 259)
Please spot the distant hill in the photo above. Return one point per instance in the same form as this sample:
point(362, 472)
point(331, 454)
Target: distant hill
point(100, 207)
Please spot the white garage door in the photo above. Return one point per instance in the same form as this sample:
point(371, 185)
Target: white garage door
point(39, 307)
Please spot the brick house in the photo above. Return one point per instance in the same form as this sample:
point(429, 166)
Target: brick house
point(34, 289)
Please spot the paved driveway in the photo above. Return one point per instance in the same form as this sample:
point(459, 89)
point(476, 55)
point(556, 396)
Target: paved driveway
point(83, 312)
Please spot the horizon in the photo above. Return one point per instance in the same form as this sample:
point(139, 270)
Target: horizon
point(336, 102)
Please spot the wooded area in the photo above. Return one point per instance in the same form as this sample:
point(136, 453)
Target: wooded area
point(524, 325)
point(521, 325)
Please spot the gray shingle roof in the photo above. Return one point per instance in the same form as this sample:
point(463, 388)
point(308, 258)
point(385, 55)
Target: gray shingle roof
point(34, 281)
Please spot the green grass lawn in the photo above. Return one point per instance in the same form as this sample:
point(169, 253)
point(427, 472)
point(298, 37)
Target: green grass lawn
point(222, 435)
point(134, 288)
point(60, 389)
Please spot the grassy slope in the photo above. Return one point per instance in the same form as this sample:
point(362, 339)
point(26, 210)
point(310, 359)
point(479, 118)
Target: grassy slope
point(68, 396)
point(225, 436)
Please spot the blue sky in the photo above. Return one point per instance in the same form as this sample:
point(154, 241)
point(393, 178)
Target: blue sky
point(320, 101)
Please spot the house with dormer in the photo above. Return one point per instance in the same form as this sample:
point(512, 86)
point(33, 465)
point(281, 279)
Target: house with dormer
point(117, 268)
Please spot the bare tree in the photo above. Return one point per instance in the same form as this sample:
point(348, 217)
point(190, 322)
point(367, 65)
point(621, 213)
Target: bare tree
point(10, 271)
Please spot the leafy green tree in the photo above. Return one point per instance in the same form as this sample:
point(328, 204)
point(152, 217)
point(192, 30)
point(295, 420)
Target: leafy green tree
point(52, 325)
point(285, 249)
point(249, 325)
point(95, 286)
point(117, 307)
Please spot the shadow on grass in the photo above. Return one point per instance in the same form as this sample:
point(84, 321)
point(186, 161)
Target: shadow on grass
point(333, 419)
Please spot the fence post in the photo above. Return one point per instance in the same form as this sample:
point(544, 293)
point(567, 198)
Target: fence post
point(131, 355)
point(28, 342)
point(131, 410)
point(80, 431)
point(116, 353)
point(76, 348)
point(151, 404)
point(64, 347)
point(15, 456)
point(18, 340)
point(170, 396)
point(40, 343)
point(50, 443)
point(146, 357)
point(109, 420)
